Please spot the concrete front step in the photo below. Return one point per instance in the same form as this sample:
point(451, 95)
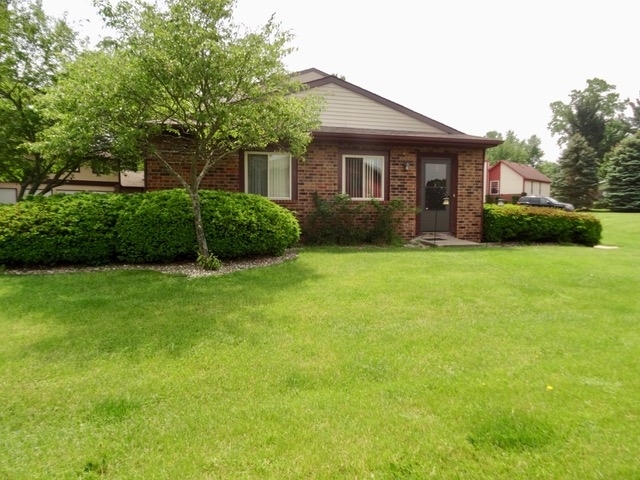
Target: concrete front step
point(440, 239)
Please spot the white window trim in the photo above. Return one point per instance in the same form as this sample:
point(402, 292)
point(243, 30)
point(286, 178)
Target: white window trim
point(497, 182)
point(246, 173)
point(343, 180)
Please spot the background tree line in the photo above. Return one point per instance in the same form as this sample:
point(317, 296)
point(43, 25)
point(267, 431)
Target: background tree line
point(599, 133)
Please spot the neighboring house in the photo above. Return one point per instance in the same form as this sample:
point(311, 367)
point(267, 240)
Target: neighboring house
point(85, 181)
point(509, 179)
point(367, 147)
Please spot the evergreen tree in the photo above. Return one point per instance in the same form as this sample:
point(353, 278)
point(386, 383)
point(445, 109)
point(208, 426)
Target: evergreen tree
point(577, 180)
point(634, 120)
point(624, 176)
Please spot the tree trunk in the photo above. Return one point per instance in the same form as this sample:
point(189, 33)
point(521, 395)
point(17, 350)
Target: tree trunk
point(203, 248)
point(22, 191)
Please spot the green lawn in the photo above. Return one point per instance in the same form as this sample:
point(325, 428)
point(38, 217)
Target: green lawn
point(485, 363)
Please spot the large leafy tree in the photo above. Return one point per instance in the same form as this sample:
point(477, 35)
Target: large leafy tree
point(97, 113)
point(595, 113)
point(514, 149)
point(187, 70)
point(623, 190)
point(576, 180)
point(33, 48)
point(550, 169)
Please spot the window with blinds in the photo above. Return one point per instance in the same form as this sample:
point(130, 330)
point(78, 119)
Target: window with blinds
point(268, 174)
point(363, 176)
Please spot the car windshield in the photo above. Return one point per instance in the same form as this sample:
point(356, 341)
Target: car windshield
point(553, 200)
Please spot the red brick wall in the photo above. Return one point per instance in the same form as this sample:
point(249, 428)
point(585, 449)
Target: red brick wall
point(223, 176)
point(470, 195)
point(319, 173)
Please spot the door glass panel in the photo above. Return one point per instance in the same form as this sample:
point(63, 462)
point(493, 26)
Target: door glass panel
point(435, 186)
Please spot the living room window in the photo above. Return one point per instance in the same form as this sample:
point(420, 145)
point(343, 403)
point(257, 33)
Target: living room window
point(363, 176)
point(268, 174)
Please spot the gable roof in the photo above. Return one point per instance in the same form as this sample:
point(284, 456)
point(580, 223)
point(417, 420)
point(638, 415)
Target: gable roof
point(352, 112)
point(525, 171)
point(309, 74)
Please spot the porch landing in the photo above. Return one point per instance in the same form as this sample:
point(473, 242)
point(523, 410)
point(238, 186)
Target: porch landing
point(440, 239)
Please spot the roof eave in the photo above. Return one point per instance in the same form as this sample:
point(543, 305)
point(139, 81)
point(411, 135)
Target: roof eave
point(409, 139)
point(542, 178)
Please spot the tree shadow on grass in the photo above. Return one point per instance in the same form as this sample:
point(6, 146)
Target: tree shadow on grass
point(98, 314)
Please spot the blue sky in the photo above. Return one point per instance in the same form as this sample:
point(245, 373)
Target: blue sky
point(473, 65)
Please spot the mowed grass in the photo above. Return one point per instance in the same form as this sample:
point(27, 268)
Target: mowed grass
point(481, 363)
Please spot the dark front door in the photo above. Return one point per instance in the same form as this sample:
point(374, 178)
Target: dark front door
point(435, 183)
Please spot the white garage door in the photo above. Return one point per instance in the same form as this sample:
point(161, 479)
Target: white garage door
point(8, 195)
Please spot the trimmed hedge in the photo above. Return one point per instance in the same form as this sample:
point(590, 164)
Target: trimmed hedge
point(89, 228)
point(534, 224)
point(59, 229)
point(156, 227)
point(238, 224)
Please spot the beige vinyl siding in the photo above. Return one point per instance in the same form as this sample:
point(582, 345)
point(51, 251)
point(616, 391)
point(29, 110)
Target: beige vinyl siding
point(510, 181)
point(347, 109)
point(69, 189)
point(8, 193)
point(307, 77)
point(533, 187)
point(513, 183)
point(85, 174)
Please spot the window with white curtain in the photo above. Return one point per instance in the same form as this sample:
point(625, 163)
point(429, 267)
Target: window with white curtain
point(268, 174)
point(363, 176)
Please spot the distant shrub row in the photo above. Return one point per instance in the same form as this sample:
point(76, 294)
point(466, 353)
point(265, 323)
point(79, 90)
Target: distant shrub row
point(533, 224)
point(152, 227)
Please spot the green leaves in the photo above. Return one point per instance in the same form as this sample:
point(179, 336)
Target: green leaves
point(596, 113)
point(185, 68)
point(96, 114)
point(527, 152)
point(511, 223)
point(185, 65)
point(33, 49)
point(96, 228)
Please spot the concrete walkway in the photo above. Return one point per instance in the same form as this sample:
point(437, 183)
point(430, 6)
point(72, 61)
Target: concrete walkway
point(441, 239)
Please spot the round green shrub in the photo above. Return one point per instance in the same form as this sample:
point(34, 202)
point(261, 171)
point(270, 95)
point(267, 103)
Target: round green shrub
point(159, 227)
point(59, 229)
point(239, 224)
point(156, 227)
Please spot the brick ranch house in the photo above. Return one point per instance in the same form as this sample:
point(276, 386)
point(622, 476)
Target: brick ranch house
point(367, 147)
